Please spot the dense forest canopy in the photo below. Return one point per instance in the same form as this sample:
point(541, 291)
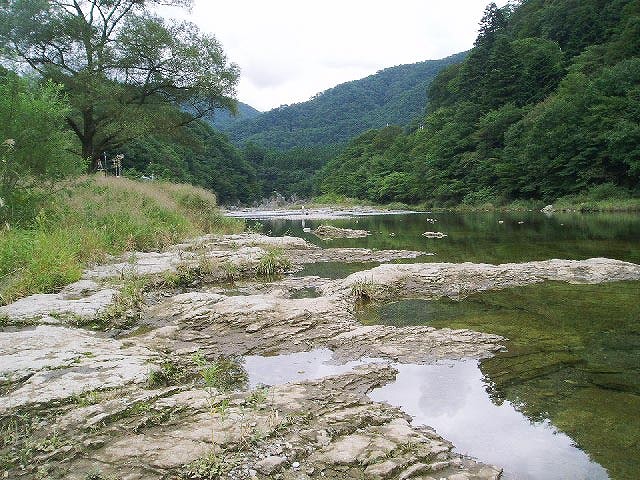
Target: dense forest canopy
point(396, 96)
point(123, 68)
point(546, 104)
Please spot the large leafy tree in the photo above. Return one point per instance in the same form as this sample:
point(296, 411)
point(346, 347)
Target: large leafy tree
point(124, 68)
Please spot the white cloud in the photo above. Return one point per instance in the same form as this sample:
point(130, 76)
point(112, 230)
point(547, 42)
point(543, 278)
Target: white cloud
point(288, 50)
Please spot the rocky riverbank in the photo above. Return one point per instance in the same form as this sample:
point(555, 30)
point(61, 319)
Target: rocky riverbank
point(137, 371)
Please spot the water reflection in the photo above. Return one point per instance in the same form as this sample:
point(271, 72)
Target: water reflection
point(452, 398)
point(480, 237)
point(296, 367)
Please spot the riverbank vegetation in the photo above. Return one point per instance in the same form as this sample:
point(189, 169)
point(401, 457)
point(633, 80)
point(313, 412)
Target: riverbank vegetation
point(95, 216)
point(539, 110)
point(54, 221)
point(93, 81)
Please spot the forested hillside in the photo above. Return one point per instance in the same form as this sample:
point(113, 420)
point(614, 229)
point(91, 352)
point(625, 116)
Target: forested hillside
point(395, 96)
point(546, 104)
point(223, 119)
point(201, 156)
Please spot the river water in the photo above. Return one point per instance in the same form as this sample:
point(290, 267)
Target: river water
point(564, 400)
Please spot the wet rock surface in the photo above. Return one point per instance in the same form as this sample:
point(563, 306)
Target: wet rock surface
point(142, 403)
point(455, 280)
point(329, 232)
point(322, 429)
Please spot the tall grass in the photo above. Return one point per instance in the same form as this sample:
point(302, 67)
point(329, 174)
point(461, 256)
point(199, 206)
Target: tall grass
point(96, 216)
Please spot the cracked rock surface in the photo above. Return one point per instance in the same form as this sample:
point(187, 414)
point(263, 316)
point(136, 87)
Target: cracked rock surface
point(136, 403)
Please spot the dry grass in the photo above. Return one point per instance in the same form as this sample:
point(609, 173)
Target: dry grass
point(95, 216)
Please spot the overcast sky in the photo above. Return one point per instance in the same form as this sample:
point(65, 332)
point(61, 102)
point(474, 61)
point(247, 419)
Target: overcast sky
point(289, 50)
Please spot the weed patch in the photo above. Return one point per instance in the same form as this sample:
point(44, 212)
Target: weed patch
point(223, 374)
point(96, 216)
point(365, 291)
point(273, 262)
point(210, 467)
point(169, 373)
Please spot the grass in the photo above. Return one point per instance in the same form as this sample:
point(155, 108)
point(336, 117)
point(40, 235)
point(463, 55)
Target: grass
point(273, 262)
point(605, 197)
point(169, 373)
point(365, 291)
point(224, 374)
point(87, 398)
point(209, 467)
point(584, 204)
point(187, 274)
point(124, 312)
point(95, 216)
point(342, 201)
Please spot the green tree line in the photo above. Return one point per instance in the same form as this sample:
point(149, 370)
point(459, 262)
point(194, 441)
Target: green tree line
point(546, 104)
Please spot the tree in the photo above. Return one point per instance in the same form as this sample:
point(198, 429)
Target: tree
point(124, 68)
point(493, 22)
point(33, 143)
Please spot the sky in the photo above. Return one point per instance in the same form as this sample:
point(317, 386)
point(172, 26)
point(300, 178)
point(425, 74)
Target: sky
point(289, 50)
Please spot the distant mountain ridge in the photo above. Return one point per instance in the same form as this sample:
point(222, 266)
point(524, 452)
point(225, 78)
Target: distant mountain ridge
point(222, 119)
point(395, 95)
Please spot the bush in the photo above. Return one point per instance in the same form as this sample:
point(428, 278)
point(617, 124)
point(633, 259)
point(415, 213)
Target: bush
point(34, 145)
point(273, 262)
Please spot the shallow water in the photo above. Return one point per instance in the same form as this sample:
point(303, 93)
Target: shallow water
point(452, 398)
point(573, 360)
point(479, 237)
point(296, 367)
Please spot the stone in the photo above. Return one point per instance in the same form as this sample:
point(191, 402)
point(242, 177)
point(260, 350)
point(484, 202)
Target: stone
point(548, 210)
point(59, 362)
point(270, 464)
point(41, 308)
point(328, 426)
point(329, 232)
point(434, 234)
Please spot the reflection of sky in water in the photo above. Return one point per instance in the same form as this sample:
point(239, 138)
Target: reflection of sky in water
point(295, 367)
point(451, 398)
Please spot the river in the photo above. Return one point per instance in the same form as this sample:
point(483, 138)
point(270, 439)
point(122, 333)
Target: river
point(565, 396)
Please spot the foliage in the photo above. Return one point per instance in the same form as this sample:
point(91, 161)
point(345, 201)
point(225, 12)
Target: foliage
point(124, 312)
point(222, 119)
point(396, 95)
point(544, 106)
point(169, 373)
point(87, 398)
point(223, 374)
point(290, 172)
point(201, 156)
point(273, 262)
point(123, 67)
point(366, 290)
point(33, 144)
point(209, 467)
point(96, 216)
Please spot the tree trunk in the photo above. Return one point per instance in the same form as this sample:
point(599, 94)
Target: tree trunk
point(89, 151)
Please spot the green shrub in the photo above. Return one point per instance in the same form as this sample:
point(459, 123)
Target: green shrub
point(34, 145)
point(273, 262)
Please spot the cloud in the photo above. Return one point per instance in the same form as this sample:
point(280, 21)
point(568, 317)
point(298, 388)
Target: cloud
point(288, 50)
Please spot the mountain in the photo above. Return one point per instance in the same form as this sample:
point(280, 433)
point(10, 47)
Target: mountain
point(546, 105)
point(396, 95)
point(222, 119)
